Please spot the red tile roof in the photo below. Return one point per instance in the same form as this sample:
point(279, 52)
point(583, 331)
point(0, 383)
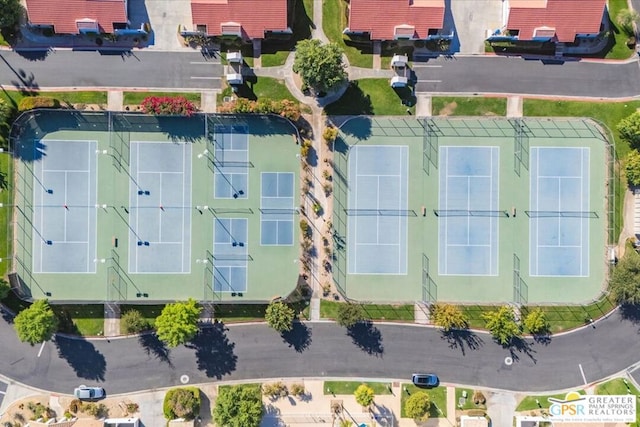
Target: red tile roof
point(255, 16)
point(63, 14)
point(380, 17)
point(567, 17)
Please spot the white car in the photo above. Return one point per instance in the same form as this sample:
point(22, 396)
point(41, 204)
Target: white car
point(89, 393)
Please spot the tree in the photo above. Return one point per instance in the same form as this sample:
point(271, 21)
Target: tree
point(279, 316)
point(448, 316)
point(319, 65)
point(178, 323)
point(364, 395)
point(625, 19)
point(625, 279)
point(349, 314)
point(238, 406)
point(37, 323)
point(632, 167)
point(502, 324)
point(10, 11)
point(536, 321)
point(182, 403)
point(417, 406)
point(629, 129)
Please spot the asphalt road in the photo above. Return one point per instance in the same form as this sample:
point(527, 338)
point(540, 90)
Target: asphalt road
point(323, 349)
point(187, 70)
point(533, 77)
point(144, 69)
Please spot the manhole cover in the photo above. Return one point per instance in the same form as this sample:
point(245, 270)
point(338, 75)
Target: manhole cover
point(508, 361)
point(184, 379)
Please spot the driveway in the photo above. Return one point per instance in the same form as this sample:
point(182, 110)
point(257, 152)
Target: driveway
point(471, 20)
point(164, 16)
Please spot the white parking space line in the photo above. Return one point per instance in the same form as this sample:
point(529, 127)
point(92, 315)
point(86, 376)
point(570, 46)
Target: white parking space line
point(41, 348)
point(429, 81)
point(204, 78)
point(582, 372)
point(426, 66)
point(203, 63)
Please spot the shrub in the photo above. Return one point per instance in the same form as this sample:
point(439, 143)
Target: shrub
point(629, 129)
point(364, 395)
point(329, 134)
point(96, 410)
point(132, 408)
point(632, 167)
point(182, 403)
point(297, 390)
point(32, 102)
point(279, 316)
point(75, 406)
point(304, 227)
point(417, 406)
point(275, 390)
point(132, 322)
point(478, 398)
point(284, 108)
point(168, 106)
point(349, 314)
point(68, 415)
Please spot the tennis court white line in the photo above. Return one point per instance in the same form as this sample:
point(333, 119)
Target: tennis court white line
point(377, 244)
point(559, 177)
point(469, 245)
point(67, 170)
point(560, 246)
point(160, 210)
point(231, 149)
point(84, 242)
point(278, 197)
point(379, 174)
point(162, 242)
point(470, 176)
point(161, 172)
point(64, 225)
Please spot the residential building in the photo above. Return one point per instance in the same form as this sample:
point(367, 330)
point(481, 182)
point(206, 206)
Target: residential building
point(79, 16)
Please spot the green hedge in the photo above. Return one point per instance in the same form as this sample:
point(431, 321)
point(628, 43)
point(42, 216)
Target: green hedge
point(191, 410)
point(31, 102)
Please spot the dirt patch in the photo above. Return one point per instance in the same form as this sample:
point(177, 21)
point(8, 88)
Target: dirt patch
point(448, 109)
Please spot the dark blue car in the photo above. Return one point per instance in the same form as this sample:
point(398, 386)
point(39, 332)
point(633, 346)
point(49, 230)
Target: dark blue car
point(425, 380)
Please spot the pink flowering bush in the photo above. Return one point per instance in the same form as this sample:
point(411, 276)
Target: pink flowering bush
point(168, 106)
point(285, 108)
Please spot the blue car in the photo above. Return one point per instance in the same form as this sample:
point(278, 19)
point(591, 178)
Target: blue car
point(425, 380)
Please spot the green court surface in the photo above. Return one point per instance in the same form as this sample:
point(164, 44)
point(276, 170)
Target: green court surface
point(180, 213)
point(496, 210)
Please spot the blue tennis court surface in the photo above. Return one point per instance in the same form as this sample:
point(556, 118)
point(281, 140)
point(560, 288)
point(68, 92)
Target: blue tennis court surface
point(160, 208)
point(468, 244)
point(230, 255)
point(64, 212)
point(231, 162)
point(559, 228)
point(377, 244)
point(276, 208)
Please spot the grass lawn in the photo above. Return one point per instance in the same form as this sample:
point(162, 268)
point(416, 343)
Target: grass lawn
point(349, 387)
point(329, 310)
point(13, 97)
point(438, 397)
point(617, 386)
point(149, 312)
point(562, 318)
point(370, 96)
point(473, 313)
point(229, 313)
point(473, 106)
point(3, 42)
point(86, 320)
point(529, 402)
point(468, 402)
point(619, 50)
point(136, 98)
point(264, 87)
point(334, 21)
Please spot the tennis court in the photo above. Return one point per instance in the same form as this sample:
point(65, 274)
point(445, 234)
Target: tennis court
point(276, 208)
point(64, 211)
point(230, 255)
point(231, 162)
point(468, 242)
point(378, 188)
point(160, 207)
point(559, 216)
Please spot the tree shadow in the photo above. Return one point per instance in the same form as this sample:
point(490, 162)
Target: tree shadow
point(214, 351)
point(631, 313)
point(82, 356)
point(521, 346)
point(353, 102)
point(358, 127)
point(154, 347)
point(462, 339)
point(299, 337)
point(367, 337)
point(543, 338)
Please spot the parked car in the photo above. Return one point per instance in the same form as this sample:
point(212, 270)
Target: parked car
point(425, 380)
point(89, 393)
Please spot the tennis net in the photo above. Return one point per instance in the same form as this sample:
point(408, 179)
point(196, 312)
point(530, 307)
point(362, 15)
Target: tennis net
point(462, 212)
